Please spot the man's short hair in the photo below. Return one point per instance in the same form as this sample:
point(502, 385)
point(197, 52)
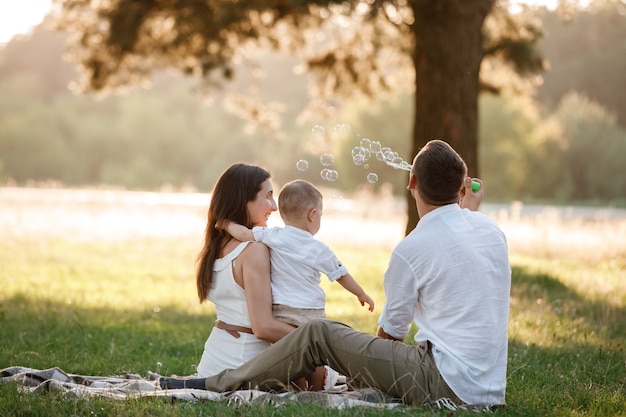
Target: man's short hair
point(439, 171)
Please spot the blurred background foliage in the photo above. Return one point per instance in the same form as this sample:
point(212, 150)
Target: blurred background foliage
point(563, 143)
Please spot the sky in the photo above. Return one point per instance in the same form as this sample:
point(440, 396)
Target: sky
point(20, 16)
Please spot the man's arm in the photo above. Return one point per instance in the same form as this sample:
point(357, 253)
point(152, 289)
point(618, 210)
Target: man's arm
point(401, 293)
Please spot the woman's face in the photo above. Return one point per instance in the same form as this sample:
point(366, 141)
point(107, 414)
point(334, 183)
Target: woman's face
point(260, 209)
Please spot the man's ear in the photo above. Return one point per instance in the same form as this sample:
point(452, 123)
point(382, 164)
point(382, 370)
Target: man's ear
point(412, 182)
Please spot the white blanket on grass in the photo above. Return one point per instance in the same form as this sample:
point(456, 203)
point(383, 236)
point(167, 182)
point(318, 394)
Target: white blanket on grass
point(133, 386)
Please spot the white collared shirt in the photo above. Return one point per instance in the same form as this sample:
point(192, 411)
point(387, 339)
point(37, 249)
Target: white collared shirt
point(451, 277)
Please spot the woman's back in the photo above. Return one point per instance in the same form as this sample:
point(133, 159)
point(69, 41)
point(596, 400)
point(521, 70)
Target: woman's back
point(222, 349)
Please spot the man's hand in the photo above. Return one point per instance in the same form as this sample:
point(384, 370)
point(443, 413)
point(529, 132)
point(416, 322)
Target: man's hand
point(383, 335)
point(471, 199)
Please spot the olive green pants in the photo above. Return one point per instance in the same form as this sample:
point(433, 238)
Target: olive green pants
point(400, 370)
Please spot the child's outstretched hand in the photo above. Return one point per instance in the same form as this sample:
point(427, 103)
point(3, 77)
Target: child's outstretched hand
point(367, 299)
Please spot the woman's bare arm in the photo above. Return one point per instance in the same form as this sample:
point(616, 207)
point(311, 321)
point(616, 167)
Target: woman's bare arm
point(254, 266)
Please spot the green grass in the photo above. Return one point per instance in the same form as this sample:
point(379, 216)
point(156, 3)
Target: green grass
point(129, 306)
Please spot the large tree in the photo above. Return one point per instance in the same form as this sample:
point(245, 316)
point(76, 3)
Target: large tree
point(433, 48)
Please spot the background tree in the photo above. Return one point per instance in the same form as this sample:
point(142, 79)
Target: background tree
point(359, 47)
point(587, 53)
point(527, 151)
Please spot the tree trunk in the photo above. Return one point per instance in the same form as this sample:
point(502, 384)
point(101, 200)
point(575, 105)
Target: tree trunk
point(448, 53)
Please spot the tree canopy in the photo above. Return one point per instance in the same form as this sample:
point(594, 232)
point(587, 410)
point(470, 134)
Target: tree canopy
point(434, 49)
point(566, 153)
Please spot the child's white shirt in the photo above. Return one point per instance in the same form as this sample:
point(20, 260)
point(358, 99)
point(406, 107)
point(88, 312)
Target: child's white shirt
point(298, 260)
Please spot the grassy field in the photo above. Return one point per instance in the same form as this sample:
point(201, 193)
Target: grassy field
point(101, 283)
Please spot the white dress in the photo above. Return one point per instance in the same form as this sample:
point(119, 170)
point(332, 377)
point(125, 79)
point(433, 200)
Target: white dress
point(221, 350)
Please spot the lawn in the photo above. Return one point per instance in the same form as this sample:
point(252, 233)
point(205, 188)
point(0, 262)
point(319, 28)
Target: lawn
point(102, 283)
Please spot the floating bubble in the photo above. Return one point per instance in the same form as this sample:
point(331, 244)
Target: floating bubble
point(397, 161)
point(380, 156)
point(327, 159)
point(358, 159)
point(329, 175)
point(388, 154)
point(357, 150)
point(343, 128)
point(375, 146)
point(366, 166)
point(332, 176)
point(372, 178)
point(365, 143)
point(302, 165)
point(317, 131)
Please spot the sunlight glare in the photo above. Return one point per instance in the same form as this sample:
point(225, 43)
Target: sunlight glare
point(19, 17)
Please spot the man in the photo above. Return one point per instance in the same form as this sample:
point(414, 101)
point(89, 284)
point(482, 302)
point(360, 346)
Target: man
point(450, 276)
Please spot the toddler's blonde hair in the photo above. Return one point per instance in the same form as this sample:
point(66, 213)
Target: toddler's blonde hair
point(296, 198)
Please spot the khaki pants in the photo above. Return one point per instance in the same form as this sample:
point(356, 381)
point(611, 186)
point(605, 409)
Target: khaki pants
point(296, 316)
point(403, 371)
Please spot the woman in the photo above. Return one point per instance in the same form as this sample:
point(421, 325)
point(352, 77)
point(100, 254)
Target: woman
point(235, 275)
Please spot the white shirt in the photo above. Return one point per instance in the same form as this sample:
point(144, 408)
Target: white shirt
point(451, 276)
point(297, 260)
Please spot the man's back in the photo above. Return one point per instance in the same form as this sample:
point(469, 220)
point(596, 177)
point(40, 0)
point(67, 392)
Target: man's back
point(457, 277)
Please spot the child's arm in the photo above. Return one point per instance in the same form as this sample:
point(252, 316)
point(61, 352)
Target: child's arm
point(238, 231)
point(349, 283)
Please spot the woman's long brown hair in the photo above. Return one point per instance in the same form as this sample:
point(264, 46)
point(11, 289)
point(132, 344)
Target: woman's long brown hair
point(238, 185)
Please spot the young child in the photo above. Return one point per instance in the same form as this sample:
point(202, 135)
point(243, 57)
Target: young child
point(298, 259)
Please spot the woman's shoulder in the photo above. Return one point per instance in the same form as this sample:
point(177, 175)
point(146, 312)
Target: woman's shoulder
point(255, 249)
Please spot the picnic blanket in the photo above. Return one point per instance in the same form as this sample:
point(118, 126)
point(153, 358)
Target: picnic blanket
point(128, 386)
point(132, 386)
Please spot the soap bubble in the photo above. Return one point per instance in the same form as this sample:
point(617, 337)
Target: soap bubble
point(302, 165)
point(343, 128)
point(397, 161)
point(367, 148)
point(332, 176)
point(357, 150)
point(372, 178)
point(327, 159)
point(329, 175)
point(317, 131)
